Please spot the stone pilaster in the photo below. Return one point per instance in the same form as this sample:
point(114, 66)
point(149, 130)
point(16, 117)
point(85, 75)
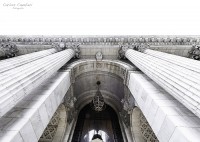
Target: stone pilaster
point(17, 83)
point(180, 81)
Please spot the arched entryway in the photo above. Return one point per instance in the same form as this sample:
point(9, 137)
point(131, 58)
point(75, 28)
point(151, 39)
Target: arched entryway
point(92, 124)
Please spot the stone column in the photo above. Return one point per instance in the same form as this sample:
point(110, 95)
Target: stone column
point(17, 83)
point(24, 59)
point(181, 81)
point(190, 64)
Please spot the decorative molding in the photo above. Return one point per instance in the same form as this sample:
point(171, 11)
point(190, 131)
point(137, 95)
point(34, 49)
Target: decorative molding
point(109, 40)
point(119, 68)
point(8, 50)
point(51, 128)
point(128, 103)
point(195, 52)
point(146, 130)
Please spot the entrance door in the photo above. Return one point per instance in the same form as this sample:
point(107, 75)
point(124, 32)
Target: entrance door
point(97, 126)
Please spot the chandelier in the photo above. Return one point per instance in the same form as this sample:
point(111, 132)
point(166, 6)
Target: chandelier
point(98, 103)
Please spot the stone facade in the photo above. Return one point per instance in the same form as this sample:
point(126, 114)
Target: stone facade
point(154, 91)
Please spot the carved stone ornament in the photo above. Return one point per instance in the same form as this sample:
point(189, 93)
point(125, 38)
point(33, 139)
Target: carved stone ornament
point(146, 130)
point(8, 50)
point(75, 47)
point(128, 102)
point(70, 102)
point(99, 56)
point(59, 46)
point(128, 105)
point(125, 117)
point(70, 105)
point(122, 50)
point(51, 128)
point(136, 46)
point(195, 52)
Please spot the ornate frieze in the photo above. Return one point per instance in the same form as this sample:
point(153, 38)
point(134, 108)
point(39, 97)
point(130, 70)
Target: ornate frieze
point(195, 52)
point(111, 40)
point(8, 50)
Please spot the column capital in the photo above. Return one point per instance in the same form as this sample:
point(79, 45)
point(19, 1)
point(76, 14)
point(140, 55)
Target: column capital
point(8, 49)
point(194, 53)
point(75, 47)
point(67, 45)
point(125, 47)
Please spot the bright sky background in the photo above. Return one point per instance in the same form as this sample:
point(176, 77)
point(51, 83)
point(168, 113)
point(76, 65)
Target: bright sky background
point(101, 17)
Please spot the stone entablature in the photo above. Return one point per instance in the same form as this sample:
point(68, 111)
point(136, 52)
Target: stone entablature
point(112, 40)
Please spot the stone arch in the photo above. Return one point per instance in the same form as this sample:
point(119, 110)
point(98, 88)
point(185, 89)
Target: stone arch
point(115, 71)
point(55, 130)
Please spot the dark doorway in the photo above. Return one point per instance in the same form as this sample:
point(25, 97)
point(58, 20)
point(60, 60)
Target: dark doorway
point(103, 125)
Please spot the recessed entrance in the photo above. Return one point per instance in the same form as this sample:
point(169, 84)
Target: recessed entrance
point(103, 125)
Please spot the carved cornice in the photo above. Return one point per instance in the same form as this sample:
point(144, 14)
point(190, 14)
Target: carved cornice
point(112, 40)
point(8, 50)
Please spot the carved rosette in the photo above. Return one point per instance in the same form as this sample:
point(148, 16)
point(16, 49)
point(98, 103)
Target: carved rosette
point(8, 50)
point(195, 52)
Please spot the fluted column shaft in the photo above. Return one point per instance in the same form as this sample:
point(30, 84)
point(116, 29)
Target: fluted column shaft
point(21, 60)
point(16, 83)
point(190, 64)
point(178, 80)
